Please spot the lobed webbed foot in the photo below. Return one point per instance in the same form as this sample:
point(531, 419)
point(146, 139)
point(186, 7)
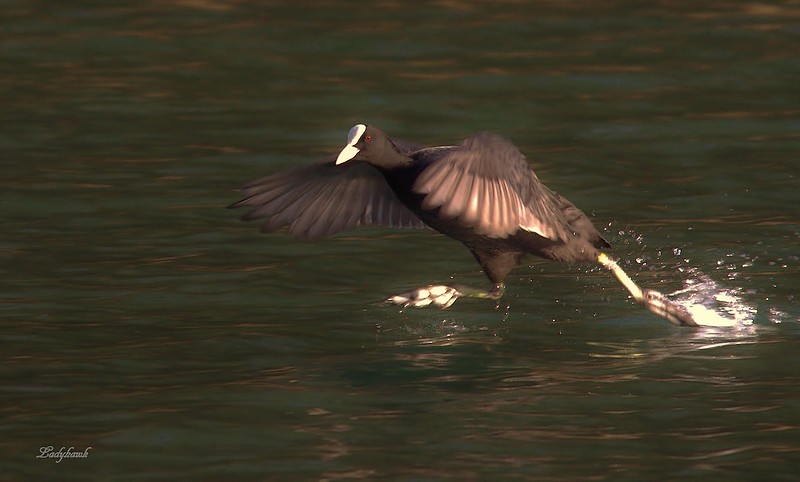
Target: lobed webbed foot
point(437, 295)
point(443, 296)
point(659, 304)
point(652, 300)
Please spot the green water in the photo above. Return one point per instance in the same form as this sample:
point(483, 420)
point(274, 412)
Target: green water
point(143, 320)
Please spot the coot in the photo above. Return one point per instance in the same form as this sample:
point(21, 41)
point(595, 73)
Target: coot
point(481, 192)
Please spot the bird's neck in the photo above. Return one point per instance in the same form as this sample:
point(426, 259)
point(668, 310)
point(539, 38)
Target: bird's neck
point(395, 158)
point(401, 175)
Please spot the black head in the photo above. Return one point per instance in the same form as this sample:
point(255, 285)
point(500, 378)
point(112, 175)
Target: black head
point(366, 143)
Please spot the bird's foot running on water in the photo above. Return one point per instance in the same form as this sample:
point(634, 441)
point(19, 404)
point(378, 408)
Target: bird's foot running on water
point(437, 295)
point(442, 295)
point(652, 300)
point(659, 304)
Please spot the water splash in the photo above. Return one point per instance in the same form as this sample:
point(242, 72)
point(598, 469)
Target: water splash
point(712, 305)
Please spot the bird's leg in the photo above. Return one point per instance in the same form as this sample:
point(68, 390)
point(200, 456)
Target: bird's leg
point(494, 294)
point(443, 296)
point(654, 301)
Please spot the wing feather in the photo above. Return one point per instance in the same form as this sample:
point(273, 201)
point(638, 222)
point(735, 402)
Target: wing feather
point(323, 199)
point(472, 212)
point(459, 196)
point(487, 184)
point(442, 188)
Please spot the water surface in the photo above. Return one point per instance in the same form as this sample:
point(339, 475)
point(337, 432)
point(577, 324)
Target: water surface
point(142, 319)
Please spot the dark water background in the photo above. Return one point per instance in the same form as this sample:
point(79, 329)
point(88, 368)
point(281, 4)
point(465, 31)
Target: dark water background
point(142, 319)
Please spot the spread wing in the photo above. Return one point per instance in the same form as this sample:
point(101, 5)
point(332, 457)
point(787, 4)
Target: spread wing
point(323, 199)
point(486, 184)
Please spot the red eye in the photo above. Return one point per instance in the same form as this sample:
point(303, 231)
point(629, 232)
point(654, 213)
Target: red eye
point(368, 138)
